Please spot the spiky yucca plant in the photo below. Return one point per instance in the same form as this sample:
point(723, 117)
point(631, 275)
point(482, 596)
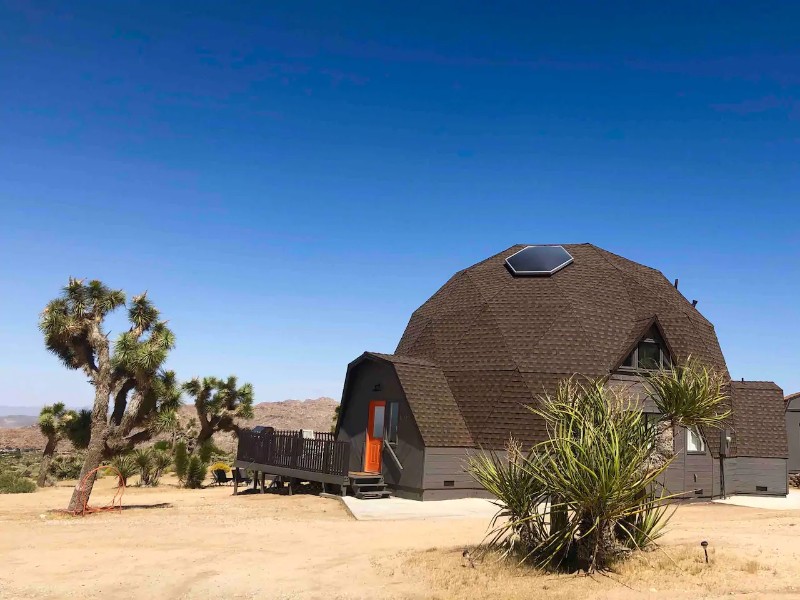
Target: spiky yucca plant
point(143, 458)
point(161, 460)
point(689, 394)
point(519, 524)
point(591, 491)
point(579, 496)
point(591, 466)
point(125, 464)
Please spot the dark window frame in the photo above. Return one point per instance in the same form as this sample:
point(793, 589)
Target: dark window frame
point(392, 410)
point(632, 364)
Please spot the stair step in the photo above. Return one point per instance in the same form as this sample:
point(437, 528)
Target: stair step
point(373, 495)
point(376, 479)
point(368, 487)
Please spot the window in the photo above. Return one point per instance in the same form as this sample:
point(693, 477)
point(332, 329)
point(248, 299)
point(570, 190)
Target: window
point(694, 441)
point(651, 421)
point(649, 354)
point(377, 421)
point(391, 429)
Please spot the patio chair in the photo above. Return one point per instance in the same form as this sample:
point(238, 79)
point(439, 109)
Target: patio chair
point(240, 478)
point(221, 477)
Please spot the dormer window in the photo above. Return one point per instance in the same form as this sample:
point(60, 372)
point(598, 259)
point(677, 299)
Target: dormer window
point(649, 354)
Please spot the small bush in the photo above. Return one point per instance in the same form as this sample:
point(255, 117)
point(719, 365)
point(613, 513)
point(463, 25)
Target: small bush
point(126, 466)
point(66, 466)
point(196, 472)
point(207, 450)
point(162, 445)
point(11, 483)
point(181, 460)
point(220, 466)
point(161, 460)
point(143, 458)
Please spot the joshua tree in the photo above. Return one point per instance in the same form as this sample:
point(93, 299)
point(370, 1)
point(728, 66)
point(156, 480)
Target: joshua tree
point(219, 402)
point(690, 395)
point(54, 420)
point(127, 379)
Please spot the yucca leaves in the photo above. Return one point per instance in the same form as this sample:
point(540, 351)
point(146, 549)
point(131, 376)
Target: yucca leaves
point(219, 403)
point(690, 394)
point(584, 495)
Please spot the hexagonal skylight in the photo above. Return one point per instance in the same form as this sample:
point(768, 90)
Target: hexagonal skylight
point(538, 261)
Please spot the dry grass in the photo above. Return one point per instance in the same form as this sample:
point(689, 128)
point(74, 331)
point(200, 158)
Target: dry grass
point(678, 571)
point(209, 544)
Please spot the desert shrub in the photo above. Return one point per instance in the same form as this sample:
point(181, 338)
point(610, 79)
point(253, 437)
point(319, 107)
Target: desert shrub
point(12, 483)
point(196, 472)
point(161, 460)
point(181, 459)
point(578, 499)
point(517, 493)
point(162, 445)
point(646, 526)
point(66, 466)
point(143, 458)
point(126, 465)
point(220, 466)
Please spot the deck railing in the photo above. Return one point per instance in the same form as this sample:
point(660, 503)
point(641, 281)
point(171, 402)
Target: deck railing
point(290, 450)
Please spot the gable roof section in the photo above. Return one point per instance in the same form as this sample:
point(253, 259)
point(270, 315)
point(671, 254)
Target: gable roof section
point(437, 415)
point(758, 419)
point(640, 329)
point(792, 401)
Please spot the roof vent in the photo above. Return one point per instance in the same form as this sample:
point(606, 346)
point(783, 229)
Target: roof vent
point(538, 261)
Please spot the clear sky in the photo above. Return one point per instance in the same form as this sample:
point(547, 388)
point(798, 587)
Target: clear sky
point(290, 180)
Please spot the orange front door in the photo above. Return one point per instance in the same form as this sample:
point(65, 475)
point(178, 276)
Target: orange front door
point(374, 443)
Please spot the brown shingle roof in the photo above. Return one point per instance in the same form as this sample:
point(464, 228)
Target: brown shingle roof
point(758, 419)
point(438, 418)
point(502, 341)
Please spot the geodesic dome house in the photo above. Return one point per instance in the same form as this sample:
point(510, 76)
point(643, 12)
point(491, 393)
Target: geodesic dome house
point(499, 334)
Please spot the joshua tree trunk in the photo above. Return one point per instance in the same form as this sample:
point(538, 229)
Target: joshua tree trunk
point(47, 457)
point(665, 440)
point(95, 450)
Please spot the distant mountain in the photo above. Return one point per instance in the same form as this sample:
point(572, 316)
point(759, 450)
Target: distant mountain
point(316, 414)
point(17, 421)
point(27, 411)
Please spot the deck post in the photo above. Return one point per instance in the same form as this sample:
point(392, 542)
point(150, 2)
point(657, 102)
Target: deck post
point(263, 482)
point(235, 485)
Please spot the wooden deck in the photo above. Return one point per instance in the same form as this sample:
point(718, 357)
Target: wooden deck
point(292, 457)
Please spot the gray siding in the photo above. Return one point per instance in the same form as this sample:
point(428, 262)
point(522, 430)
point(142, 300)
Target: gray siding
point(362, 380)
point(448, 464)
point(691, 472)
point(793, 435)
point(743, 474)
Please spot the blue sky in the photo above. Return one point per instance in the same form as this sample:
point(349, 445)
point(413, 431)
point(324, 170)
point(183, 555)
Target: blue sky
point(290, 181)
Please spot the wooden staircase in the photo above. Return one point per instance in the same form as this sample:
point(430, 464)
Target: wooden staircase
point(367, 486)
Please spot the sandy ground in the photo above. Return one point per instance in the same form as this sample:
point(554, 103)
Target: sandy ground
point(209, 544)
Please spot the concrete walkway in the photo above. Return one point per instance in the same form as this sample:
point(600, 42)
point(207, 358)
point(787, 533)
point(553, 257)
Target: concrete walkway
point(790, 502)
point(398, 509)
